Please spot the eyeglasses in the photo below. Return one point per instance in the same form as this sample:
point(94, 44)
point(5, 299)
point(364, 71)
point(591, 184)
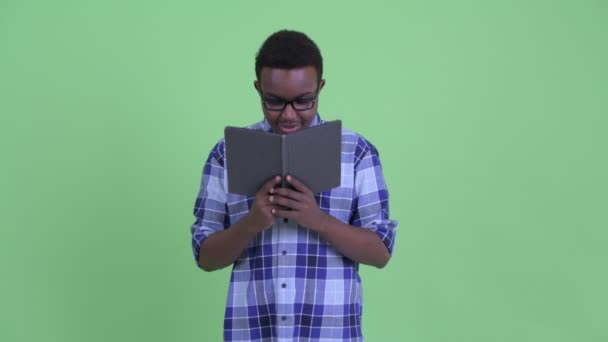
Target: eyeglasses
point(301, 103)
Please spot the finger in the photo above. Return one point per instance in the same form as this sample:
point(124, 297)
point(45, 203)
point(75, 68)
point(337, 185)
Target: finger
point(298, 185)
point(285, 202)
point(295, 195)
point(270, 184)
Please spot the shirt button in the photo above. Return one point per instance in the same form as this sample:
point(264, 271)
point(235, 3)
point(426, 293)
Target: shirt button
point(283, 285)
point(285, 220)
point(284, 252)
point(283, 318)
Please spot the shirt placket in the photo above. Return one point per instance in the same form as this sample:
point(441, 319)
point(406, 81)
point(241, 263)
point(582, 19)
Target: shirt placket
point(285, 281)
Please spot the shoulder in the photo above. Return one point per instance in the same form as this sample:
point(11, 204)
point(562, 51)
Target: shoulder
point(218, 152)
point(259, 126)
point(357, 145)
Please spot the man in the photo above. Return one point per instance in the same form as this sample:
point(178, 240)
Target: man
point(295, 254)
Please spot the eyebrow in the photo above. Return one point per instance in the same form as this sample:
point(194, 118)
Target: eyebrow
point(282, 98)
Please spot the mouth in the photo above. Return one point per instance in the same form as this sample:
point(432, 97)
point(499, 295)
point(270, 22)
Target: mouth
point(289, 127)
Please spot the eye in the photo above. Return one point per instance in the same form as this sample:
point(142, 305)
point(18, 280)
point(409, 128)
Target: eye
point(274, 102)
point(303, 101)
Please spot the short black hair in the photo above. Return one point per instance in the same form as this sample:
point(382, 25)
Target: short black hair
point(287, 49)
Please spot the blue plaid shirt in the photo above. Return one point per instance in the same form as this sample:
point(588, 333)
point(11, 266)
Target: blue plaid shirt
point(289, 284)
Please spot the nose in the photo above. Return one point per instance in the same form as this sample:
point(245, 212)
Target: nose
point(289, 112)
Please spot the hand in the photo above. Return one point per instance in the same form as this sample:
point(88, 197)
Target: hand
point(304, 208)
point(260, 215)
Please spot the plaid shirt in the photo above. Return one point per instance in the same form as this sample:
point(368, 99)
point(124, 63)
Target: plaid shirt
point(289, 284)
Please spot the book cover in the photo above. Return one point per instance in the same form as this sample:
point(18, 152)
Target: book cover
point(312, 155)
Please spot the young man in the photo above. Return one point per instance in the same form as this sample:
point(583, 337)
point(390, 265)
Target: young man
point(294, 272)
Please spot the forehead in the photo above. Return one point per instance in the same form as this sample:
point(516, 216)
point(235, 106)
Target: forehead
point(288, 82)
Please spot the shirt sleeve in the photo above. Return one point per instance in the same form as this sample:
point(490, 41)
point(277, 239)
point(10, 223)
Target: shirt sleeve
point(210, 209)
point(372, 210)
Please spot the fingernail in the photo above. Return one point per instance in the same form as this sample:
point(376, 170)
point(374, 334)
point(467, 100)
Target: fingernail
point(272, 210)
point(271, 198)
point(289, 178)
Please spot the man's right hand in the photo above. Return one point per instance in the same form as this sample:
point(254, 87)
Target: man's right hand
point(260, 216)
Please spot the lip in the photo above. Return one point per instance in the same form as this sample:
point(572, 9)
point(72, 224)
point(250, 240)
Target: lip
point(287, 129)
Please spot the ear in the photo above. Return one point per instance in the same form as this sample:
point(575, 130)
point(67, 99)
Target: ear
point(321, 85)
point(256, 85)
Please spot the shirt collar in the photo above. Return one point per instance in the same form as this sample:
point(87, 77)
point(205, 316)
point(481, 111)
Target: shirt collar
point(315, 122)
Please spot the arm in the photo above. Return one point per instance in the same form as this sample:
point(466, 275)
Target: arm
point(369, 238)
point(368, 245)
point(356, 243)
point(215, 244)
point(222, 248)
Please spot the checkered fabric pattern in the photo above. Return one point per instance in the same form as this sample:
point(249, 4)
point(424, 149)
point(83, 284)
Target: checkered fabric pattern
point(289, 284)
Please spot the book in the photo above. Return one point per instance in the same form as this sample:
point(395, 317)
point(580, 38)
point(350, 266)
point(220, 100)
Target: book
point(312, 155)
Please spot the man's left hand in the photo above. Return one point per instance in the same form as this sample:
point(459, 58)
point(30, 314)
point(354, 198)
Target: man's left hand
point(301, 200)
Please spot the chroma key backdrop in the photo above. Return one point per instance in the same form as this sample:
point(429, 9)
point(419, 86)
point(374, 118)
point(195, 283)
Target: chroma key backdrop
point(490, 118)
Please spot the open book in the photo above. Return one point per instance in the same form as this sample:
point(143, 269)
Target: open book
point(312, 155)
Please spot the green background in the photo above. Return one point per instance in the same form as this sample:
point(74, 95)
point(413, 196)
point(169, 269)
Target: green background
point(490, 118)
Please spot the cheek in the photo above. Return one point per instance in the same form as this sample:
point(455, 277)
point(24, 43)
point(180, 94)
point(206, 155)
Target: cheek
point(271, 117)
point(308, 117)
